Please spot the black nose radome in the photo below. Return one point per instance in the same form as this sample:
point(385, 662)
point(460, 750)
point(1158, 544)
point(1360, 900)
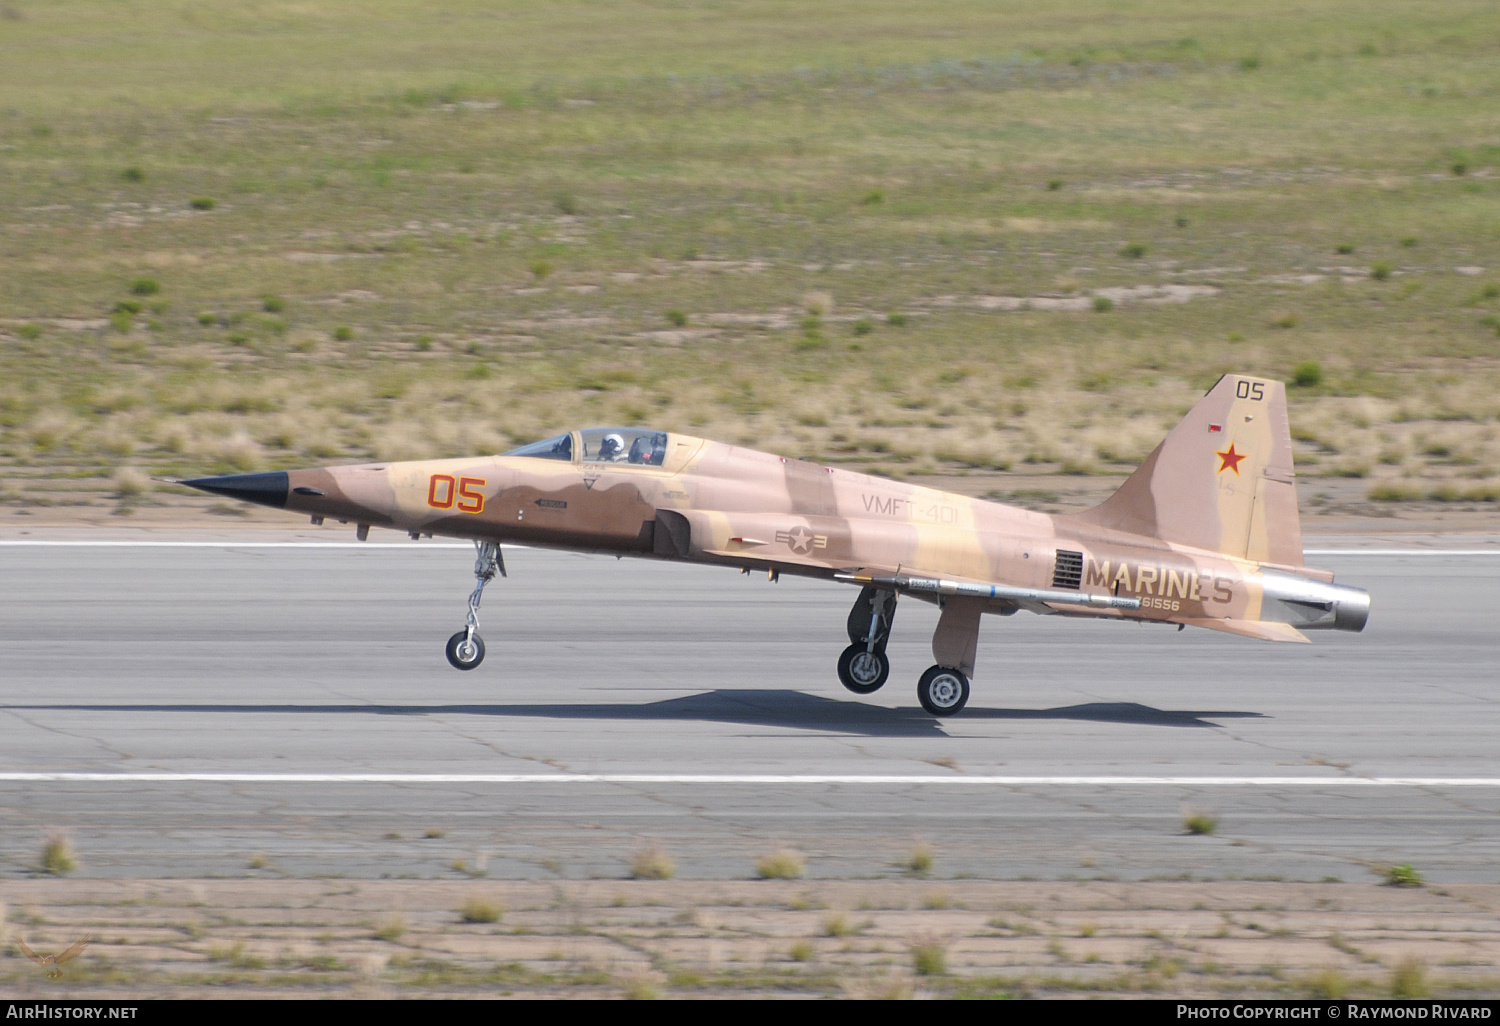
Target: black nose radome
point(267, 489)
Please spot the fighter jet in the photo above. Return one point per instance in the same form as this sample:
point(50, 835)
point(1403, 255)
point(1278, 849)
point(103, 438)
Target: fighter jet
point(1204, 534)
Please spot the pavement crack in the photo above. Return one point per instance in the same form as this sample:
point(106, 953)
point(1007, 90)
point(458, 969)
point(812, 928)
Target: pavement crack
point(111, 749)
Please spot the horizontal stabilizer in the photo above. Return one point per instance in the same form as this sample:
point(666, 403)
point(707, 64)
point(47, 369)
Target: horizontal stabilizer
point(1265, 630)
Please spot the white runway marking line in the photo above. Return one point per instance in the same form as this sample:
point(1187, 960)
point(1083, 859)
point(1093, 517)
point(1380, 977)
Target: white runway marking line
point(741, 779)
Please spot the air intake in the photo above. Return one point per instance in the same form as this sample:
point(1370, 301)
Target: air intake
point(1069, 570)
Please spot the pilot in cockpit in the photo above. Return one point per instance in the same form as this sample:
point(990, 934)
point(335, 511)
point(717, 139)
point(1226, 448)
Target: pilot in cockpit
point(611, 449)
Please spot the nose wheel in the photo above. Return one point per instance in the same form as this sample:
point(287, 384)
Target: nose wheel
point(465, 649)
point(943, 691)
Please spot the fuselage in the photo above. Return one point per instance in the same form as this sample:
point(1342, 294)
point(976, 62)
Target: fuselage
point(680, 497)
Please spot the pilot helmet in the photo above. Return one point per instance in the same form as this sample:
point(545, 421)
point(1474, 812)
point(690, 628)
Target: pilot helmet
point(611, 446)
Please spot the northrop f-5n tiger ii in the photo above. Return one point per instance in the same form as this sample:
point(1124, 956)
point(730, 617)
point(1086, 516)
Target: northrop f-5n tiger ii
point(1204, 534)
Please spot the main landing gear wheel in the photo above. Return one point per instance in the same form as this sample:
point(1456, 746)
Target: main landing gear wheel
point(863, 666)
point(863, 671)
point(465, 650)
point(943, 691)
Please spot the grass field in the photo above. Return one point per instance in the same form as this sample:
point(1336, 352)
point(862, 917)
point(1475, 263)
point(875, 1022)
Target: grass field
point(918, 238)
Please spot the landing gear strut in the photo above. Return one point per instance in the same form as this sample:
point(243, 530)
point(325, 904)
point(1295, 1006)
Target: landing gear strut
point(864, 666)
point(944, 689)
point(466, 648)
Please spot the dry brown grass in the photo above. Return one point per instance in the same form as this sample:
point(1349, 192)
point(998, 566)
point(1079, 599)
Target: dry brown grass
point(725, 938)
point(782, 864)
point(652, 863)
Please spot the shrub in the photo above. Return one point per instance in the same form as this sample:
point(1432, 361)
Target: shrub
point(540, 269)
point(1409, 980)
point(207, 318)
point(1103, 304)
point(145, 287)
point(896, 320)
point(1307, 375)
point(919, 862)
point(130, 483)
point(1394, 491)
point(390, 929)
point(424, 343)
point(641, 988)
point(1409, 242)
point(929, 957)
point(1328, 984)
point(1054, 184)
point(802, 951)
point(1403, 875)
point(784, 864)
point(566, 203)
point(121, 322)
point(677, 318)
point(130, 306)
point(652, 863)
point(1133, 250)
point(1380, 270)
point(1459, 168)
point(864, 326)
point(133, 174)
point(272, 304)
point(30, 332)
point(838, 925)
point(1201, 823)
point(1287, 320)
point(202, 203)
point(1249, 63)
point(58, 857)
point(1343, 249)
point(873, 198)
point(343, 333)
point(477, 910)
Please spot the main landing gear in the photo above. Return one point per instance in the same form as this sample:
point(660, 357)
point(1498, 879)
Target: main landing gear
point(944, 689)
point(864, 666)
point(466, 648)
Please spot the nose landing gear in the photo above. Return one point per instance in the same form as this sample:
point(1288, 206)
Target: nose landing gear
point(465, 649)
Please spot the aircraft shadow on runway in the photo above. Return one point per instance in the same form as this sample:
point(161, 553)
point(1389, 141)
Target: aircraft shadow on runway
point(746, 707)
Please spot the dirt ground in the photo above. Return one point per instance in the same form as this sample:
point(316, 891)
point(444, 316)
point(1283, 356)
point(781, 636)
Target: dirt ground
point(602, 938)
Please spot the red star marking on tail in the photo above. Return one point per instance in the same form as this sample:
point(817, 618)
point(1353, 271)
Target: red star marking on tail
point(1229, 460)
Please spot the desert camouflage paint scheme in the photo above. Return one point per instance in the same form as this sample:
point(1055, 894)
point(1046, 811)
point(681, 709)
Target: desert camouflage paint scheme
point(1205, 533)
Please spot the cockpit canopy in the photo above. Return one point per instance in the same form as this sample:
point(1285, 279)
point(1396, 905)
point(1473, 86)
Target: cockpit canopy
point(639, 446)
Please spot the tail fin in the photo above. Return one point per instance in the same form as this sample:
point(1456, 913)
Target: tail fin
point(1222, 480)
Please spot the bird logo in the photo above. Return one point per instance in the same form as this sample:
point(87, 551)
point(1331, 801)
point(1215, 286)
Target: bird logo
point(51, 962)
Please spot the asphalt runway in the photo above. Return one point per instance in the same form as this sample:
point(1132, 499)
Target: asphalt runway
point(310, 681)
